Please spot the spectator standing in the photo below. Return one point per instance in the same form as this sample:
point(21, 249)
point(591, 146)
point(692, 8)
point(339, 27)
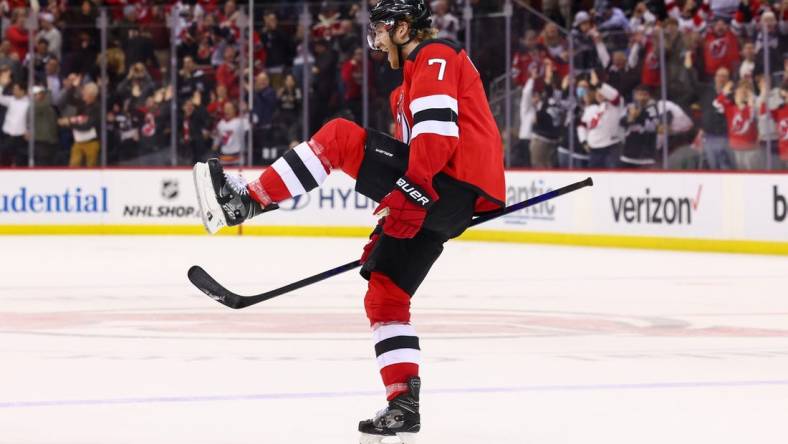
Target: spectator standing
point(613, 24)
point(191, 80)
point(228, 73)
point(216, 105)
point(52, 78)
point(17, 34)
point(714, 128)
point(640, 121)
point(748, 62)
point(780, 116)
point(84, 124)
point(775, 38)
point(325, 81)
point(720, 49)
point(768, 99)
point(352, 80)
point(194, 132)
point(548, 118)
point(51, 34)
point(290, 99)
point(39, 57)
point(137, 86)
point(328, 22)
point(45, 132)
point(599, 129)
point(82, 59)
point(621, 75)
point(447, 24)
point(557, 48)
point(278, 47)
point(529, 58)
point(742, 127)
point(14, 146)
point(230, 135)
point(521, 152)
point(123, 133)
point(569, 136)
point(263, 109)
point(588, 44)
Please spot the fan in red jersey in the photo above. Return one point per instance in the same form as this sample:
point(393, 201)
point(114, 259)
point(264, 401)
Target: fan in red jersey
point(444, 166)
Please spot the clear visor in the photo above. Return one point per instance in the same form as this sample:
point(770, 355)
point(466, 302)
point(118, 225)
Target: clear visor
point(374, 29)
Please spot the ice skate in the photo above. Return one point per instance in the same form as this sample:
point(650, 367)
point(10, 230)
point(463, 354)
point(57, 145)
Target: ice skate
point(223, 198)
point(397, 423)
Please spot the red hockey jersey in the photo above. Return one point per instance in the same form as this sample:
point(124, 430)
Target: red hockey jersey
point(441, 111)
point(720, 51)
point(780, 116)
point(742, 128)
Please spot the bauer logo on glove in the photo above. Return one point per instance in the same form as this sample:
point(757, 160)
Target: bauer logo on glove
point(415, 193)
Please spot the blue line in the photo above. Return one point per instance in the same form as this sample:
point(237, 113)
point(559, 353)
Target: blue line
point(351, 394)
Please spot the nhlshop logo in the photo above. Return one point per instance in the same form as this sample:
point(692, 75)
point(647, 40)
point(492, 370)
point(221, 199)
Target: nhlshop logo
point(655, 210)
point(170, 190)
point(780, 206)
point(544, 211)
point(70, 200)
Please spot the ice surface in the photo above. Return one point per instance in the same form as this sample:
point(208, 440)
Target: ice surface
point(103, 340)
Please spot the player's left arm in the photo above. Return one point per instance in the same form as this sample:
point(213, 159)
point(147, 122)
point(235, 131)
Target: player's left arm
point(434, 137)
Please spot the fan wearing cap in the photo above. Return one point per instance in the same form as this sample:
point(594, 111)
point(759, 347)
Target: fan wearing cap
point(444, 166)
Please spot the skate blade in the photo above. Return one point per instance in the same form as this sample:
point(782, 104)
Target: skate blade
point(210, 211)
point(400, 438)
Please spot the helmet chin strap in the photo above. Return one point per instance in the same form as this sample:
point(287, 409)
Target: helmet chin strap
point(397, 56)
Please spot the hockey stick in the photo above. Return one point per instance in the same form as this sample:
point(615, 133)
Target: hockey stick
point(208, 285)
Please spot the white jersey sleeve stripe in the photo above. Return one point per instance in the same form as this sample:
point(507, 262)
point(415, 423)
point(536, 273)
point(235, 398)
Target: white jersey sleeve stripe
point(409, 355)
point(289, 177)
point(312, 162)
point(436, 101)
point(436, 127)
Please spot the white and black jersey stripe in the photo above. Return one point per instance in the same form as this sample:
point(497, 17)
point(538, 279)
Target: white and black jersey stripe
point(436, 114)
point(396, 344)
point(300, 170)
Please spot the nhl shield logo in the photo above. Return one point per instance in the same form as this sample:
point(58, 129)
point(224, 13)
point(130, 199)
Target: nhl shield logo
point(169, 189)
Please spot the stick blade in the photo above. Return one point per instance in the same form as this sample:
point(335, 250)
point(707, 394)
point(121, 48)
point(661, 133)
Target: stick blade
point(208, 285)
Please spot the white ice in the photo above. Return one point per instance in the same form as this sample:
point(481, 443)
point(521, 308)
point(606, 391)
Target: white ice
point(103, 340)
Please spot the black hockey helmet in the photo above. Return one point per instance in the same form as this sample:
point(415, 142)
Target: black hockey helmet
point(389, 12)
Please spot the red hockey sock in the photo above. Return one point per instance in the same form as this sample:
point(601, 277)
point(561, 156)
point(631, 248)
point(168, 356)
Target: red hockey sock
point(396, 343)
point(338, 144)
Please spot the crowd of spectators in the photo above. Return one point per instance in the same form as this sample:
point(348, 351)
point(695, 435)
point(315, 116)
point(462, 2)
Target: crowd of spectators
point(724, 110)
point(187, 62)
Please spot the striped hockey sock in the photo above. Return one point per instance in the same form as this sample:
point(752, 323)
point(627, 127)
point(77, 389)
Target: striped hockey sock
point(300, 170)
point(398, 354)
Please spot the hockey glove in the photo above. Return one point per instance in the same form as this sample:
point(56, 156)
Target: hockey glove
point(405, 208)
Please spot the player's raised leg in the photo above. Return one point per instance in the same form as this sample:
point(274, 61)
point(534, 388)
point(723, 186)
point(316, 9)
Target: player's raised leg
point(227, 200)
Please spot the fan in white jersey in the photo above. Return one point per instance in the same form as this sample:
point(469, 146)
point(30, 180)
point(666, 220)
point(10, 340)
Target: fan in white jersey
point(230, 132)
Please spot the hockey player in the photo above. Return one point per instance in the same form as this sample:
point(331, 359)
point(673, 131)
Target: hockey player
point(444, 166)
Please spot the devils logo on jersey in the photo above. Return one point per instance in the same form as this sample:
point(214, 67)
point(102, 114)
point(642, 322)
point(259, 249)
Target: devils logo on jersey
point(783, 128)
point(740, 124)
point(718, 48)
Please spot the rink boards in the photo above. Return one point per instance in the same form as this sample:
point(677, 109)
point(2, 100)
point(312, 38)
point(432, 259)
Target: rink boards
point(733, 212)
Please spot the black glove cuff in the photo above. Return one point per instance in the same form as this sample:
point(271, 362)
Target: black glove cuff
point(414, 193)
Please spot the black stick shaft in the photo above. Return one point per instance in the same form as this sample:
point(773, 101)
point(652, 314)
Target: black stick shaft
point(209, 286)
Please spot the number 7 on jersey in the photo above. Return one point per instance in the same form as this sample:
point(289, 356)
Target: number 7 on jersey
point(442, 62)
